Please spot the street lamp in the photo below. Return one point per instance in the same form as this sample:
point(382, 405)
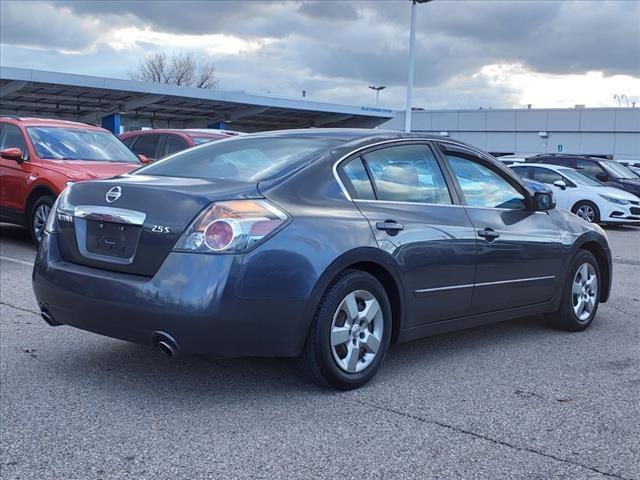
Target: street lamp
point(618, 98)
point(626, 99)
point(412, 44)
point(377, 89)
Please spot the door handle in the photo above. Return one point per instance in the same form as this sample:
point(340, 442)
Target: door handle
point(489, 234)
point(390, 226)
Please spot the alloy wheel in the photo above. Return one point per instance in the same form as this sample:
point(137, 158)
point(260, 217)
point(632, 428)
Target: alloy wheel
point(356, 331)
point(584, 292)
point(40, 220)
point(586, 212)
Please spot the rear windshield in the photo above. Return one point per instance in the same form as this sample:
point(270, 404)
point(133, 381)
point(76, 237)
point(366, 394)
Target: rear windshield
point(62, 143)
point(240, 158)
point(201, 140)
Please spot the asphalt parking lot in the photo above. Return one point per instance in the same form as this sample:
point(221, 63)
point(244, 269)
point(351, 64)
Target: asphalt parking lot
point(512, 400)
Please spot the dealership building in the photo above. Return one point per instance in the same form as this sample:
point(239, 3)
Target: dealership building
point(120, 105)
point(609, 132)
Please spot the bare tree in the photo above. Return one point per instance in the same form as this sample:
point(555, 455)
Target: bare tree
point(185, 68)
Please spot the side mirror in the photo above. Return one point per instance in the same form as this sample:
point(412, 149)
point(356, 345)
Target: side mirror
point(543, 201)
point(560, 184)
point(13, 153)
point(144, 159)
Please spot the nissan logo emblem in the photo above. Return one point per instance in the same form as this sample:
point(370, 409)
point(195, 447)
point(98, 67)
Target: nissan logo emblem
point(113, 194)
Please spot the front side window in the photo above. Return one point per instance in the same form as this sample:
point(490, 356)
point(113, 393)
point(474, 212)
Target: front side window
point(61, 143)
point(544, 175)
point(580, 178)
point(174, 144)
point(12, 138)
point(482, 187)
point(590, 168)
point(521, 171)
point(147, 145)
point(408, 173)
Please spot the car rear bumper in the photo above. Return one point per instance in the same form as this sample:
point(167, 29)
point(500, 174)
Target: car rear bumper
point(192, 299)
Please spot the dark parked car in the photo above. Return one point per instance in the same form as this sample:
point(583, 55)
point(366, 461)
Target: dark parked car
point(608, 172)
point(158, 143)
point(324, 244)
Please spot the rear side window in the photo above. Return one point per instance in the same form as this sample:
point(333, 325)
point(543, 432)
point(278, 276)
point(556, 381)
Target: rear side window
point(407, 173)
point(544, 175)
point(359, 180)
point(147, 145)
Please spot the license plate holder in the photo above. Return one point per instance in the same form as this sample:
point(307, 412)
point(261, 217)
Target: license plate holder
point(111, 239)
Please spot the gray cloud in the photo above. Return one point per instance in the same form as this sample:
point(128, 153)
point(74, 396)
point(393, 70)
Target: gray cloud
point(336, 49)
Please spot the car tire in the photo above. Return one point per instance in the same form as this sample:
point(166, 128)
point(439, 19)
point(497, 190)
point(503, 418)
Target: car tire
point(581, 287)
point(366, 331)
point(586, 210)
point(38, 217)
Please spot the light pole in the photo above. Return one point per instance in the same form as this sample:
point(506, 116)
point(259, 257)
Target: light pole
point(377, 89)
point(618, 98)
point(412, 58)
point(626, 99)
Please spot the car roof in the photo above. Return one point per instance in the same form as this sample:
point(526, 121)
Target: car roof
point(360, 135)
point(544, 165)
point(49, 122)
point(165, 131)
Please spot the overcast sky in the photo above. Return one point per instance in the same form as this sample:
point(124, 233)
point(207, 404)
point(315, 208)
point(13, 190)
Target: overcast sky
point(470, 54)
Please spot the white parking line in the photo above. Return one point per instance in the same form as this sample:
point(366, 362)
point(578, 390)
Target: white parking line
point(15, 260)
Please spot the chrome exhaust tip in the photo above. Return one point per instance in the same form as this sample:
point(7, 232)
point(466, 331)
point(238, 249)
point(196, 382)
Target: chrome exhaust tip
point(166, 349)
point(46, 316)
point(166, 344)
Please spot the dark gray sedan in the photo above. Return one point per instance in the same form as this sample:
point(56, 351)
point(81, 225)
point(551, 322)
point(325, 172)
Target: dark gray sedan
point(323, 244)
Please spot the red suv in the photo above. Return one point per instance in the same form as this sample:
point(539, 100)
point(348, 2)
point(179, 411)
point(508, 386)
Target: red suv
point(38, 158)
point(158, 143)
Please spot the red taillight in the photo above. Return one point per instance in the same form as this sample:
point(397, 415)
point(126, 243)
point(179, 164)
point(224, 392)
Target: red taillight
point(231, 226)
point(219, 234)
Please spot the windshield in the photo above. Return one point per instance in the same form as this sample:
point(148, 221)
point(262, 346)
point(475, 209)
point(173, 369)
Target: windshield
point(62, 143)
point(579, 178)
point(617, 170)
point(239, 158)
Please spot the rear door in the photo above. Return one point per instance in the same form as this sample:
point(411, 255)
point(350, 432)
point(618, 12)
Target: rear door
point(519, 250)
point(404, 193)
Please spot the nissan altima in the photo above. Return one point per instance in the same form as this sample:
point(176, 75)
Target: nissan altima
point(328, 245)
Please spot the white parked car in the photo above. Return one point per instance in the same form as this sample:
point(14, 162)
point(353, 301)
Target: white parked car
point(582, 195)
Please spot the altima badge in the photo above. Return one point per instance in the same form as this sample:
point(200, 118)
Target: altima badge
point(113, 194)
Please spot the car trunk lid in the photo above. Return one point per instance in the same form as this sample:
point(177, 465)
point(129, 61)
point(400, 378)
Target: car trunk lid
point(131, 223)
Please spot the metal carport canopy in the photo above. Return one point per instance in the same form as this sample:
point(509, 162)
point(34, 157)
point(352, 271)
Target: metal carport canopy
point(26, 92)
